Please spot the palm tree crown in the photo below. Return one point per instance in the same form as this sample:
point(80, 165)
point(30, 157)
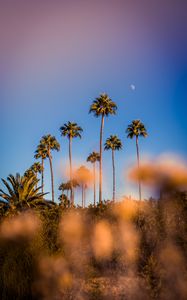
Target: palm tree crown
point(71, 130)
point(113, 143)
point(135, 129)
point(103, 105)
point(41, 152)
point(36, 167)
point(50, 143)
point(64, 186)
point(21, 189)
point(93, 157)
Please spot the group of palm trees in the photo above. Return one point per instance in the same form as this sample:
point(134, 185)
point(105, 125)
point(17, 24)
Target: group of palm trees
point(102, 107)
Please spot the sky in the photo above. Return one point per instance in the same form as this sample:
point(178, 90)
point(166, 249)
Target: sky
point(56, 57)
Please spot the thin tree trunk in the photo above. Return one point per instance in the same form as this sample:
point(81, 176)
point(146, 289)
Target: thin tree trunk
point(52, 180)
point(138, 159)
point(37, 179)
point(70, 164)
point(100, 162)
point(94, 182)
point(42, 175)
point(82, 195)
point(114, 178)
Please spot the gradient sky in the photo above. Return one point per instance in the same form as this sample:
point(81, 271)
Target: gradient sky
point(57, 56)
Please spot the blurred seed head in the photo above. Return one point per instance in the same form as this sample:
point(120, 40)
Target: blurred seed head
point(25, 225)
point(166, 172)
point(71, 229)
point(129, 241)
point(126, 210)
point(102, 241)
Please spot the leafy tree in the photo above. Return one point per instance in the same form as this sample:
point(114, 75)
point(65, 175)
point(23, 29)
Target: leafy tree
point(71, 130)
point(93, 158)
point(136, 129)
point(102, 107)
point(21, 190)
point(113, 143)
point(50, 143)
point(41, 152)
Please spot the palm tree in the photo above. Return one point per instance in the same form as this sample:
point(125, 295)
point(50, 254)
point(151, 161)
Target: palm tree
point(65, 186)
point(36, 168)
point(102, 106)
point(50, 143)
point(93, 158)
point(64, 201)
point(21, 191)
point(71, 130)
point(113, 143)
point(83, 177)
point(136, 129)
point(41, 152)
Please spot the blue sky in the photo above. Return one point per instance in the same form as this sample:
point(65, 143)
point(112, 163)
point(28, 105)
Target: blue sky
point(58, 56)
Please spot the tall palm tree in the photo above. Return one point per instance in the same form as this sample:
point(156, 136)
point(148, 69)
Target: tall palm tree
point(93, 158)
point(50, 143)
point(71, 130)
point(102, 106)
point(21, 190)
point(136, 129)
point(41, 152)
point(36, 168)
point(113, 143)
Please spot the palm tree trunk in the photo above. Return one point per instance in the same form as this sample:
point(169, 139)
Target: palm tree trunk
point(37, 179)
point(70, 165)
point(42, 175)
point(82, 195)
point(52, 180)
point(100, 162)
point(114, 178)
point(138, 159)
point(94, 181)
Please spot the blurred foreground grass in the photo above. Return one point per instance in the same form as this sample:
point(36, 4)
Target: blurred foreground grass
point(127, 250)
